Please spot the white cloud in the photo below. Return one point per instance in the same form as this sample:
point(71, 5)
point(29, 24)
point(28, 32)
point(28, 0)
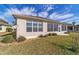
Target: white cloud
point(12, 11)
point(46, 8)
point(49, 8)
point(28, 11)
point(24, 11)
point(65, 16)
point(54, 16)
point(57, 16)
point(75, 18)
point(43, 14)
point(32, 11)
point(34, 14)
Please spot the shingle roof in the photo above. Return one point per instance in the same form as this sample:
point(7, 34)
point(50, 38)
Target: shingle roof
point(2, 22)
point(37, 19)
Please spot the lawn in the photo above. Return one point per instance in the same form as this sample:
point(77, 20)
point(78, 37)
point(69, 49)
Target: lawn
point(51, 45)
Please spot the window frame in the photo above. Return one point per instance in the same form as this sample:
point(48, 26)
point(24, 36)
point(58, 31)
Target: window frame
point(50, 27)
point(29, 26)
point(55, 27)
point(34, 28)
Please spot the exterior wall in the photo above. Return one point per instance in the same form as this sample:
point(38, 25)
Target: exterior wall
point(3, 29)
point(21, 30)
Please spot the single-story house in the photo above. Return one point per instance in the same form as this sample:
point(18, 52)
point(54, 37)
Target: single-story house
point(3, 26)
point(32, 26)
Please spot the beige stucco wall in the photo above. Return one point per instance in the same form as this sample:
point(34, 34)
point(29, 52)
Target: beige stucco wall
point(3, 29)
point(21, 30)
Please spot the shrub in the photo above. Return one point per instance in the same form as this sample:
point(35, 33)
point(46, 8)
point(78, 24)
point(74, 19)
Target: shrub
point(21, 38)
point(54, 34)
point(41, 35)
point(9, 29)
point(45, 35)
point(49, 34)
point(8, 39)
point(14, 35)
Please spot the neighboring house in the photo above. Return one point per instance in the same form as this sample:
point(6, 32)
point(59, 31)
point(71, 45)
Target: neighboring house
point(3, 25)
point(32, 27)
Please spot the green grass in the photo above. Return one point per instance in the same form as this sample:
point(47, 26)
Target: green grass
point(51, 45)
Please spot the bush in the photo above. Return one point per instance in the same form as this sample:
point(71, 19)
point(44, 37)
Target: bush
point(43, 35)
point(8, 39)
point(54, 34)
point(21, 38)
point(40, 36)
point(9, 29)
point(14, 35)
point(49, 34)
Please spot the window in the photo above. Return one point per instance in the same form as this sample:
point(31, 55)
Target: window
point(33, 26)
point(0, 27)
point(29, 26)
point(50, 27)
point(40, 26)
point(63, 27)
point(55, 27)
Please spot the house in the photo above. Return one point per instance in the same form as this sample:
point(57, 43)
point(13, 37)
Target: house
point(3, 26)
point(32, 26)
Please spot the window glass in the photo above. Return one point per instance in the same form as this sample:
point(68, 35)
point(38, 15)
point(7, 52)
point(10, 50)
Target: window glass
point(50, 27)
point(29, 29)
point(40, 26)
point(29, 26)
point(55, 27)
point(34, 26)
point(29, 23)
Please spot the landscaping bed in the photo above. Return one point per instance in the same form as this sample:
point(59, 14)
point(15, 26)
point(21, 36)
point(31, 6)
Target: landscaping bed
point(50, 45)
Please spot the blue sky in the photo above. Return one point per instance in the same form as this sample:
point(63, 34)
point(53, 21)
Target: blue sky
point(59, 12)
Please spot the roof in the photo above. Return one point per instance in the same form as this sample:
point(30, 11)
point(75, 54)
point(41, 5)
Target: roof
point(2, 22)
point(37, 19)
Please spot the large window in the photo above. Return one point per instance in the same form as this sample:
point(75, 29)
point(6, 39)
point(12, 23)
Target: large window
point(49, 27)
point(29, 26)
point(40, 26)
point(63, 27)
point(33, 26)
point(0, 27)
point(55, 27)
point(52, 27)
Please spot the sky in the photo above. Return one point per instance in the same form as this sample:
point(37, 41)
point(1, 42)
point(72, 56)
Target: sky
point(60, 12)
